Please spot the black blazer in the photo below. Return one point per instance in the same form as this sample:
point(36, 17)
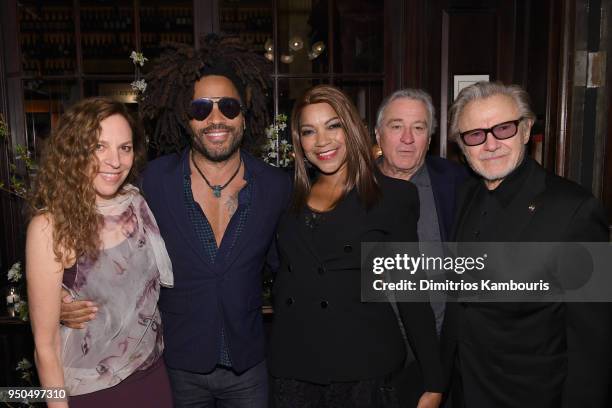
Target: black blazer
point(322, 332)
point(446, 177)
point(206, 296)
point(534, 354)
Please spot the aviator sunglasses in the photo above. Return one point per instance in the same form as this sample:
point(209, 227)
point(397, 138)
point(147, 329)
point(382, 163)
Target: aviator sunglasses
point(500, 131)
point(199, 109)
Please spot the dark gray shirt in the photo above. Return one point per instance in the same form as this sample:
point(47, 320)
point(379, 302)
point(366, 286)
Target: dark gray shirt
point(429, 231)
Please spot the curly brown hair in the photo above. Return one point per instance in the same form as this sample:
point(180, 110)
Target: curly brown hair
point(63, 186)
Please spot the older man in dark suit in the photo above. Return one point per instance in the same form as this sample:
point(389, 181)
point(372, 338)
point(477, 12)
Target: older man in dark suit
point(405, 122)
point(521, 354)
point(404, 125)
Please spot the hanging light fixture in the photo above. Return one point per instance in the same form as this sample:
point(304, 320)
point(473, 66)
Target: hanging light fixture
point(287, 59)
point(318, 47)
point(269, 45)
point(296, 43)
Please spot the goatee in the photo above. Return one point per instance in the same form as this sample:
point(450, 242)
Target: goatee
point(217, 155)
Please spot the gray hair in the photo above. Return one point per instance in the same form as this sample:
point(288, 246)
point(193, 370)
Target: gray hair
point(414, 94)
point(483, 90)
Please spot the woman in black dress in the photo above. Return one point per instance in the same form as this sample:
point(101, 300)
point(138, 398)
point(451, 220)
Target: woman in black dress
point(329, 349)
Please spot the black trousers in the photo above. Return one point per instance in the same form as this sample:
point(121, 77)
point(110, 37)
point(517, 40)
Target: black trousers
point(369, 393)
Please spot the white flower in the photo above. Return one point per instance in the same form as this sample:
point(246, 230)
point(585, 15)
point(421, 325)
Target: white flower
point(24, 364)
point(21, 307)
point(140, 85)
point(138, 58)
point(277, 151)
point(14, 274)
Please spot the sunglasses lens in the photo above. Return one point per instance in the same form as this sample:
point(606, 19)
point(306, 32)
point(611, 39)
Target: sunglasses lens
point(200, 109)
point(229, 107)
point(474, 138)
point(505, 130)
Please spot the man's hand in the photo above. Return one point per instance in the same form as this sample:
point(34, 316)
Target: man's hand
point(76, 313)
point(430, 400)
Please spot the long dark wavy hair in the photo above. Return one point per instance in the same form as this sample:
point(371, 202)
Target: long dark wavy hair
point(63, 186)
point(360, 164)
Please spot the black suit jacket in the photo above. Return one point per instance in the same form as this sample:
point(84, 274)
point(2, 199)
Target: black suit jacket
point(322, 332)
point(446, 177)
point(533, 354)
point(207, 296)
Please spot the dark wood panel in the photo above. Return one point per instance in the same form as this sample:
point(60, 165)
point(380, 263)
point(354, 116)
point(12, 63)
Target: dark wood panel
point(607, 164)
point(12, 227)
point(473, 44)
point(559, 89)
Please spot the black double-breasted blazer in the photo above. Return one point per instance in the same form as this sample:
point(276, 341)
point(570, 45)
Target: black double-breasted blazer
point(322, 331)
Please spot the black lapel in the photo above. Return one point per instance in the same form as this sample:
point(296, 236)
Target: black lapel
point(524, 206)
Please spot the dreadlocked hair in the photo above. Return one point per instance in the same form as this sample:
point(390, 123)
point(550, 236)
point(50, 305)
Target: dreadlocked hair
point(170, 88)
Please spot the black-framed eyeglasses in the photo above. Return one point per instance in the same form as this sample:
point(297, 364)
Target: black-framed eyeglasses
point(500, 131)
point(200, 109)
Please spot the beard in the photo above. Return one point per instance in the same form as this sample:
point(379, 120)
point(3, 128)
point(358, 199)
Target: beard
point(490, 175)
point(217, 152)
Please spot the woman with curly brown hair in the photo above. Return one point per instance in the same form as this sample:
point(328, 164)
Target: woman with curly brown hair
point(93, 234)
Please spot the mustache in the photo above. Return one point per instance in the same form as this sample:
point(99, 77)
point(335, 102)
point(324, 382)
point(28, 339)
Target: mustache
point(216, 126)
point(492, 155)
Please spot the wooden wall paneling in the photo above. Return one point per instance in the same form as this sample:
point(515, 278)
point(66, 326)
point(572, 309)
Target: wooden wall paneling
point(593, 124)
point(418, 42)
point(444, 75)
point(78, 41)
point(522, 42)
point(552, 86)
point(5, 200)
point(471, 40)
point(506, 24)
point(559, 86)
point(394, 39)
point(421, 52)
point(606, 182)
point(205, 19)
point(536, 44)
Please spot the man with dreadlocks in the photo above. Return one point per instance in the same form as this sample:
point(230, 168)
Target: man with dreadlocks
point(217, 208)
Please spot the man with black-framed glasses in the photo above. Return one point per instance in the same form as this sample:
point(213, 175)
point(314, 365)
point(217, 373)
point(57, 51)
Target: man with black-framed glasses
point(539, 354)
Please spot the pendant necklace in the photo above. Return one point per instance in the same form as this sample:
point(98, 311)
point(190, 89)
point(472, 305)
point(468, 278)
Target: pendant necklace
point(216, 188)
